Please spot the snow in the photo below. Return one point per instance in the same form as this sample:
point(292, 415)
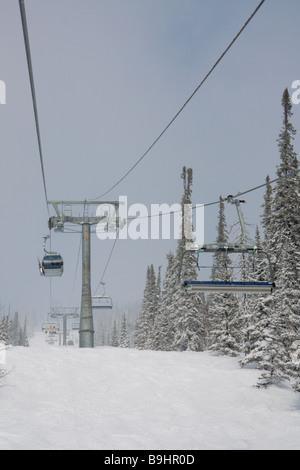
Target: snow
point(64, 398)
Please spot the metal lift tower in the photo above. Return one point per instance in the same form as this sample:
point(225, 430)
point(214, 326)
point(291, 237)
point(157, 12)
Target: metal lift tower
point(64, 313)
point(64, 215)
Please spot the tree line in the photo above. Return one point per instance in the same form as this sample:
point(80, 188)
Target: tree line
point(116, 333)
point(263, 330)
point(13, 332)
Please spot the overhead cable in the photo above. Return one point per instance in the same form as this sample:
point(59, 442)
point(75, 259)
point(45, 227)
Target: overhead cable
point(173, 212)
point(106, 266)
point(30, 71)
point(213, 203)
point(185, 104)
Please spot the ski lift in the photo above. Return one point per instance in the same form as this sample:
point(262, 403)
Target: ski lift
point(51, 328)
point(51, 340)
point(234, 286)
point(249, 287)
point(52, 263)
point(102, 301)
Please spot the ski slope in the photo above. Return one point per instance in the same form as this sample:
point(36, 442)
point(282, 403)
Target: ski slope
point(124, 399)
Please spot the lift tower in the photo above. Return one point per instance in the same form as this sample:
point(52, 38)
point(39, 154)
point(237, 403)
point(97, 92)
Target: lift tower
point(64, 313)
point(65, 215)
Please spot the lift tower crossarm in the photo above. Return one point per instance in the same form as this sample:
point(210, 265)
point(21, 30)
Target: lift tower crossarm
point(113, 203)
point(62, 217)
point(57, 221)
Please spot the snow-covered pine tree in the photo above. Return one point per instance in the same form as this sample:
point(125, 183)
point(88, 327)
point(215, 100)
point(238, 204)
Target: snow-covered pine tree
point(214, 300)
point(3, 330)
point(124, 337)
point(262, 329)
point(151, 307)
point(287, 307)
point(285, 218)
point(248, 302)
point(267, 215)
point(114, 336)
point(187, 315)
point(140, 335)
point(258, 319)
point(285, 242)
point(23, 337)
point(163, 333)
point(25, 333)
point(223, 309)
point(266, 351)
point(146, 317)
point(254, 268)
point(13, 331)
point(153, 339)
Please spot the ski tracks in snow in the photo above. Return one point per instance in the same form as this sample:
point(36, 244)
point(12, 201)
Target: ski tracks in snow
point(113, 398)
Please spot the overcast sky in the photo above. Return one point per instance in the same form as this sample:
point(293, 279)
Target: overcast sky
point(109, 75)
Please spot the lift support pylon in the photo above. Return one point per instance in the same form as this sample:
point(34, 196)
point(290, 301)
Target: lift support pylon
point(64, 215)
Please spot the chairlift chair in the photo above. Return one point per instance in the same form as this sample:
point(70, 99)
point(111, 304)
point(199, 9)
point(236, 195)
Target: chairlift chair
point(249, 287)
point(233, 286)
point(51, 340)
point(102, 302)
point(51, 328)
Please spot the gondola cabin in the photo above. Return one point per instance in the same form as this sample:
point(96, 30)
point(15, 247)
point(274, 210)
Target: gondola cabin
point(52, 265)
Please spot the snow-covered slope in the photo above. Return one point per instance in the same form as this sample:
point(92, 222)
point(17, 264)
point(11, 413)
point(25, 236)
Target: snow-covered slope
point(113, 398)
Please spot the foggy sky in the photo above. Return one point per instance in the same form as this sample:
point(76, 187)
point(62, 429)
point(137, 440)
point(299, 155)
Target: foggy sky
point(109, 76)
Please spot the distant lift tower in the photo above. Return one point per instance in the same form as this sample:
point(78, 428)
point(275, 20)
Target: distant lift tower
point(65, 214)
point(64, 313)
